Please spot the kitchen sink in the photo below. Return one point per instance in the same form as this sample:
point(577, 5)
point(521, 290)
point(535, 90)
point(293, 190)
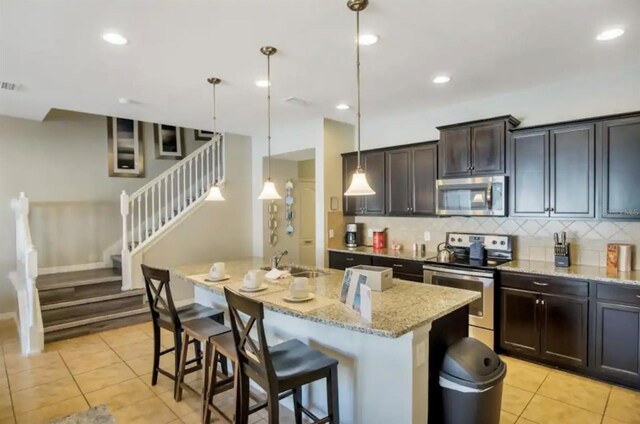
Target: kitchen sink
point(297, 271)
point(309, 274)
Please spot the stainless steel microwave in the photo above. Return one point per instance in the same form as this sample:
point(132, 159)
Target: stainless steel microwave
point(474, 196)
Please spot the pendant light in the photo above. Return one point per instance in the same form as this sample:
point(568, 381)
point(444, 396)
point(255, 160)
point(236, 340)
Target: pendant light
point(215, 195)
point(359, 185)
point(269, 191)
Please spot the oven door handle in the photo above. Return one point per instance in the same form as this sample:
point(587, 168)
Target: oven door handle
point(455, 271)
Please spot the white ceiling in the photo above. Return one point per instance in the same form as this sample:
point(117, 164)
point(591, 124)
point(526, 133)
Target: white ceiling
point(54, 50)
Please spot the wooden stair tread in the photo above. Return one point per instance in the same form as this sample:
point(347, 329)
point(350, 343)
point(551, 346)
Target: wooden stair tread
point(75, 322)
point(77, 278)
point(85, 299)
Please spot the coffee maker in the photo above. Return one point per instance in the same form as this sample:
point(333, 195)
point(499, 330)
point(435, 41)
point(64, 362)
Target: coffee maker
point(353, 235)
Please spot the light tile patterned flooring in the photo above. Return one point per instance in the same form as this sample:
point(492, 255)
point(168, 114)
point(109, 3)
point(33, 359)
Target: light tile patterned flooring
point(113, 368)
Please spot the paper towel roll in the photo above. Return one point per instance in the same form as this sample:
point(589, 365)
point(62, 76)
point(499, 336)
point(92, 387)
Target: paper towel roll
point(624, 260)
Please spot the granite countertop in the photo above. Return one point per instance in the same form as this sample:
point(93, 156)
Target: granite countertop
point(387, 253)
point(595, 273)
point(396, 311)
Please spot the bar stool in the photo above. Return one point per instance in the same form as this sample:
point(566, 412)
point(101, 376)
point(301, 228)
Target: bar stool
point(164, 314)
point(281, 370)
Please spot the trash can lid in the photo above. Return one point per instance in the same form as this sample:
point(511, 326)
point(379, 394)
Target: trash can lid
point(472, 364)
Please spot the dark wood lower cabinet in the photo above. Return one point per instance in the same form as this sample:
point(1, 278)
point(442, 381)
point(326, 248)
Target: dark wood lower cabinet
point(564, 333)
point(618, 342)
point(341, 261)
point(520, 322)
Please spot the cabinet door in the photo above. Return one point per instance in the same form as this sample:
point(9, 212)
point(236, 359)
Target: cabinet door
point(373, 164)
point(455, 153)
point(424, 174)
point(573, 173)
point(351, 205)
point(399, 182)
point(618, 341)
point(519, 321)
point(487, 149)
point(621, 173)
point(564, 329)
point(530, 174)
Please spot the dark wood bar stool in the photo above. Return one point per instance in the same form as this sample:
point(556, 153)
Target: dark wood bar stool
point(164, 314)
point(280, 370)
point(221, 346)
point(211, 334)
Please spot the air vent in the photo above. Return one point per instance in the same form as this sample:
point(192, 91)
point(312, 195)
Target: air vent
point(5, 85)
point(296, 101)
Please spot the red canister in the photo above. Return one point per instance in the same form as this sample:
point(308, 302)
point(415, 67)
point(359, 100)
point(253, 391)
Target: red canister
point(379, 238)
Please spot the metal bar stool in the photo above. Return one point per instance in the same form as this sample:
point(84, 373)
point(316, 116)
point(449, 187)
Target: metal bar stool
point(280, 370)
point(212, 335)
point(164, 314)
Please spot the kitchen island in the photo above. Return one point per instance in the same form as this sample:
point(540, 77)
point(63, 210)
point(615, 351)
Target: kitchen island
point(388, 367)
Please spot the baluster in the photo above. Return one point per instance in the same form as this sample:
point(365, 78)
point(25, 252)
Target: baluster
point(184, 186)
point(190, 180)
point(146, 215)
point(132, 204)
point(139, 221)
point(172, 209)
point(166, 200)
point(153, 209)
point(197, 177)
point(124, 211)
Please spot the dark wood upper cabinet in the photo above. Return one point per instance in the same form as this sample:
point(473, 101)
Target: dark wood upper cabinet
point(573, 172)
point(530, 174)
point(620, 169)
point(564, 333)
point(411, 180)
point(553, 172)
point(455, 153)
point(399, 182)
point(374, 166)
point(475, 148)
point(487, 149)
point(424, 173)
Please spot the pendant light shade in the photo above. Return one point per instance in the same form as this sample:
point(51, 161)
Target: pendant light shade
point(269, 191)
point(359, 185)
point(215, 195)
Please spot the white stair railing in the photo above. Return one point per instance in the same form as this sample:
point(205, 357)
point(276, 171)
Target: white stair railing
point(24, 280)
point(151, 210)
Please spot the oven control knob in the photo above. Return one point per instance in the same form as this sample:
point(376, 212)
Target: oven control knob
point(453, 239)
point(502, 243)
point(459, 240)
point(494, 242)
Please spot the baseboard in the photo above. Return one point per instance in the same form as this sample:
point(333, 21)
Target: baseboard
point(71, 268)
point(9, 315)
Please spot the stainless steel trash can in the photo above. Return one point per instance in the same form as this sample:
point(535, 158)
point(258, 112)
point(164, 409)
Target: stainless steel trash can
point(471, 380)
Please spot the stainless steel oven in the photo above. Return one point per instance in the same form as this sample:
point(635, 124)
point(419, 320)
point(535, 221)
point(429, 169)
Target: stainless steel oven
point(481, 319)
point(484, 196)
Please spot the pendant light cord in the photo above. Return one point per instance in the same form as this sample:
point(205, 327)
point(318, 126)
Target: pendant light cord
point(358, 78)
point(269, 111)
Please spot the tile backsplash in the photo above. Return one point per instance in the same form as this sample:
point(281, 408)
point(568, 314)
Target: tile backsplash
point(533, 238)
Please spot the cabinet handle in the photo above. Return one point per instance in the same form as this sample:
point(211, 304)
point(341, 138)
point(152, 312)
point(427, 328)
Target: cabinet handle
point(551, 209)
point(397, 265)
point(473, 167)
point(540, 284)
point(537, 301)
point(546, 209)
point(542, 301)
point(348, 259)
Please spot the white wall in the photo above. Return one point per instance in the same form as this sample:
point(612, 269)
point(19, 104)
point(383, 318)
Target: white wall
point(61, 165)
point(217, 231)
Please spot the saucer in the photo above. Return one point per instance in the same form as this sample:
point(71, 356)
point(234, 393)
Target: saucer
point(255, 289)
point(217, 280)
point(299, 299)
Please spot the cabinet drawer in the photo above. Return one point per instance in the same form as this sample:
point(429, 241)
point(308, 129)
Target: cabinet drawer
point(409, 277)
point(613, 293)
point(544, 284)
point(339, 260)
point(399, 266)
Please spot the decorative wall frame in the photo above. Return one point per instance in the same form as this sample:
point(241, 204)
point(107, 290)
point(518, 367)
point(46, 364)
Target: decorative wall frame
point(126, 148)
point(169, 141)
point(202, 135)
point(272, 223)
point(288, 201)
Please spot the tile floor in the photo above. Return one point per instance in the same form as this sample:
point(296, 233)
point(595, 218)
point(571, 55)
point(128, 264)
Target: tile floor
point(113, 367)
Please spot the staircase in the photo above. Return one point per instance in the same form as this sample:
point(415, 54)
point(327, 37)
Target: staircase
point(83, 302)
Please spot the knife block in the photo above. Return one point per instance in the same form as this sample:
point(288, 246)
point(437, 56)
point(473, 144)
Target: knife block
point(564, 259)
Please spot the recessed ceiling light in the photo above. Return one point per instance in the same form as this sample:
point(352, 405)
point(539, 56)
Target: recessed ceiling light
point(262, 83)
point(610, 34)
point(368, 39)
point(441, 79)
point(114, 38)
point(343, 106)
point(124, 100)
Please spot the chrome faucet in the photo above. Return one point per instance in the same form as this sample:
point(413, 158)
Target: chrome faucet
point(275, 259)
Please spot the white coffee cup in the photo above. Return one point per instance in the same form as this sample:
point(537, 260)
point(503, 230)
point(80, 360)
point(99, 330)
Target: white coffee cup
point(299, 288)
point(217, 270)
point(251, 280)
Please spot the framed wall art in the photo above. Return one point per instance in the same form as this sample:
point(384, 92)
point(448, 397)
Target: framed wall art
point(169, 142)
point(126, 148)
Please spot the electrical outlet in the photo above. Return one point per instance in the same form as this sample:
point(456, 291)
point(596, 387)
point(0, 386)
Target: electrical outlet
point(370, 232)
point(331, 233)
point(427, 236)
